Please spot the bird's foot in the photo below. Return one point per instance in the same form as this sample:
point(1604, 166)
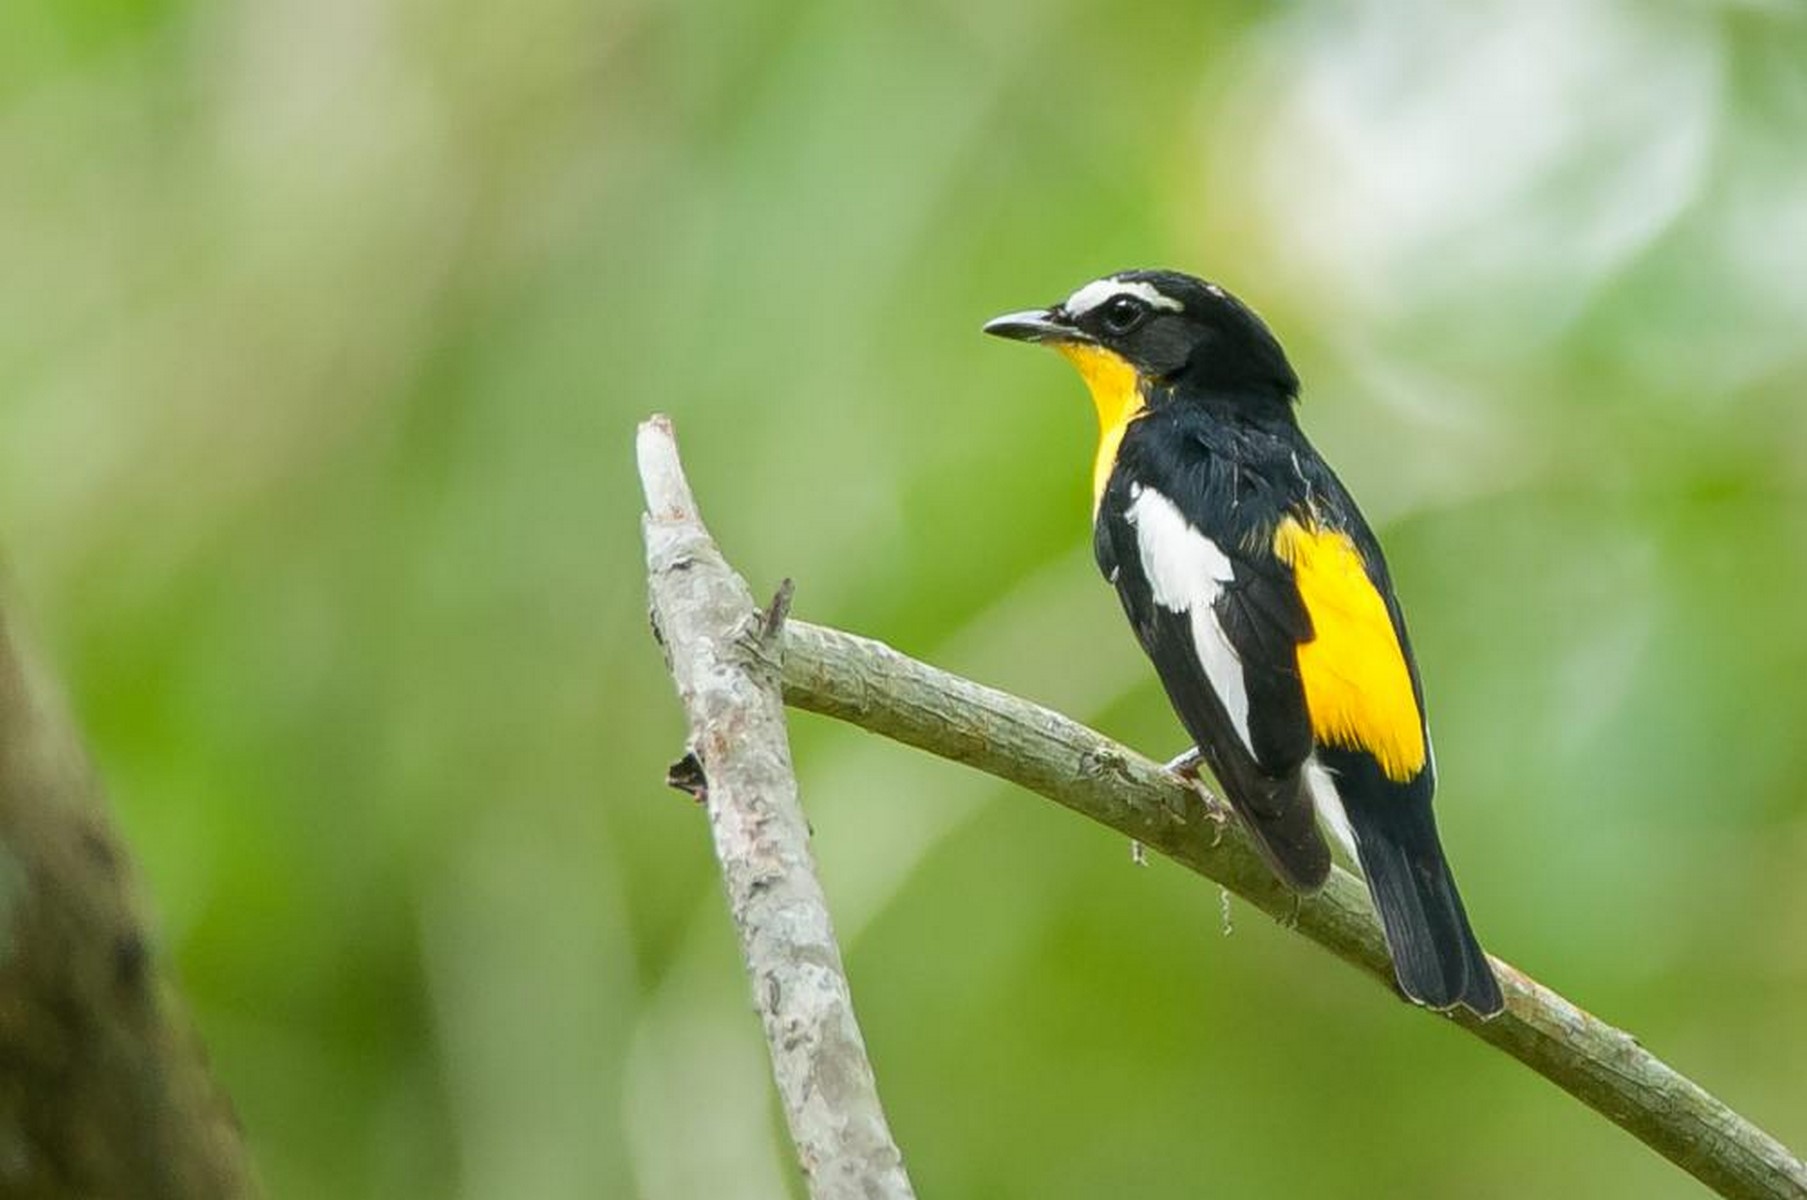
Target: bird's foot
point(1186, 765)
point(1185, 768)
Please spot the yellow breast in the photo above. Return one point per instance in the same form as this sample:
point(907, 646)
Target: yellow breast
point(1117, 395)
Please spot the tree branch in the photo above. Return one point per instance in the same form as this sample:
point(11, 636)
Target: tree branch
point(104, 1087)
point(723, 674)
point(724, 659)
point(871, 685)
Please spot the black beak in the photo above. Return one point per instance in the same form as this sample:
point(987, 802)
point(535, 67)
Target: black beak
point(1035, 325)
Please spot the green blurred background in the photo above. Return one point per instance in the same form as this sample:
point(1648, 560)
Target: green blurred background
point(324, 326)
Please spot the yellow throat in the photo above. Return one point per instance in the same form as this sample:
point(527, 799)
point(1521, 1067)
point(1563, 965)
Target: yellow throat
point(1116, 394)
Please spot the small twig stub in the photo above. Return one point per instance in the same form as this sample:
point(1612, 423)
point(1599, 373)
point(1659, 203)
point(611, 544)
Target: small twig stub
point(687, 776)
point(771, 625)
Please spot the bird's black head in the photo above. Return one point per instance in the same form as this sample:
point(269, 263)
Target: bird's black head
point(1170, 329)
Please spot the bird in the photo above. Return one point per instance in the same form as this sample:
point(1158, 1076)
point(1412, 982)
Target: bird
point(1259, 592)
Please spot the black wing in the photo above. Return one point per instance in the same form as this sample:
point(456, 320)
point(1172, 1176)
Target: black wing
point(1222, 621)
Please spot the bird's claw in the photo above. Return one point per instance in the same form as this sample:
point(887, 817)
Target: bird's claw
point(1186, 765)
point(1185, 768)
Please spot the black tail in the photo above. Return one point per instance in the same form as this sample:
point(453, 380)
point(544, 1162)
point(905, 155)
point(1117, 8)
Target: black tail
point(1436, 958)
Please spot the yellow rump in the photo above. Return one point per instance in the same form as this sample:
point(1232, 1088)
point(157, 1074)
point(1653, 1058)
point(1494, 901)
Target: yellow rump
point(1357, 687)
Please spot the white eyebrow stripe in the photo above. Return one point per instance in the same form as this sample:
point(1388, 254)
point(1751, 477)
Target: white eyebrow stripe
point(1100, 290)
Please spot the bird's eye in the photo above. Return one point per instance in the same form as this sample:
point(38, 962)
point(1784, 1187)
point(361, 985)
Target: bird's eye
point(1121, 315)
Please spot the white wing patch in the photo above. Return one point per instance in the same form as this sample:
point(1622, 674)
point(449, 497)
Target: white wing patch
point(1186, 572)
point(1099, 290)
point(1321, 785)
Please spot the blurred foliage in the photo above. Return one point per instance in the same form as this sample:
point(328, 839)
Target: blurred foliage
point(323, 330)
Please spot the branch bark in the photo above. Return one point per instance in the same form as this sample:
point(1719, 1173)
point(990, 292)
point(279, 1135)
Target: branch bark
point(104, 1087)
point(873, 686)
point(723, 656)
point(723, 676)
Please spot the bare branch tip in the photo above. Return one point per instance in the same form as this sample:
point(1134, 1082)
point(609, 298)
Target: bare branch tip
point(724, 663)
point(662, 471)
